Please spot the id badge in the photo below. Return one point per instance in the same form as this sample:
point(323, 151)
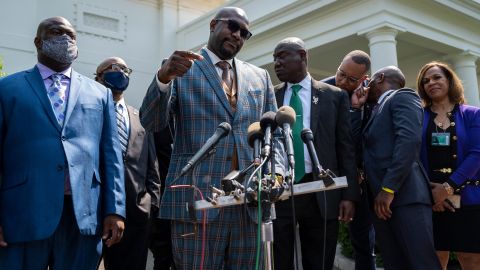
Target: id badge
point(440, 139)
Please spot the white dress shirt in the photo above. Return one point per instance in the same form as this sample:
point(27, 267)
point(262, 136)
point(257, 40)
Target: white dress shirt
point(305, 96)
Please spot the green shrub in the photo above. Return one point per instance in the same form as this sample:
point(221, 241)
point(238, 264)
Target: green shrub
point(1, 68)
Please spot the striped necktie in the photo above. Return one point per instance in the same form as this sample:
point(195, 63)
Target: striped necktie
point(296, 104)
point(122, 128)
point(56, 94)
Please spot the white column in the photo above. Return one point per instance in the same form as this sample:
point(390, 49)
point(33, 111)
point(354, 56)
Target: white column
point(383, 47)
point(464, 65)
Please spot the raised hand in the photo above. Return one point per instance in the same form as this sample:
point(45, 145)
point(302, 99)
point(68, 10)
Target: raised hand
point(177, 65)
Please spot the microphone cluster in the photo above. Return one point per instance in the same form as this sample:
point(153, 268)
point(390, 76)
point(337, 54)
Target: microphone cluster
point(260, 133)
point(260, 136)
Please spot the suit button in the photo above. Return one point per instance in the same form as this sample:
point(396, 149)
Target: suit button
point(64, 138)
point(454, 137)
point(59, 168)
point(454, 156)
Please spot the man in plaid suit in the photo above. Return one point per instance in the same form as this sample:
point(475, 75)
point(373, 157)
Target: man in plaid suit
point(203, 90)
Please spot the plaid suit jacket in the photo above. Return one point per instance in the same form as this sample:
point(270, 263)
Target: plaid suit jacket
point(199, 105)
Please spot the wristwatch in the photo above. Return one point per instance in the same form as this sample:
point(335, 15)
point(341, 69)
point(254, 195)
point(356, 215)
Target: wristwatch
point(448, 188)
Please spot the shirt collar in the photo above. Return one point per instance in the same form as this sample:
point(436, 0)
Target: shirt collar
point(122, 103)
point(383, 96)
point(306, 83)
point(46, 72)
point(215, 59)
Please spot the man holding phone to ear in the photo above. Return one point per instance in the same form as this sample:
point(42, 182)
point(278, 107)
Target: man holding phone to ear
point(352, 77)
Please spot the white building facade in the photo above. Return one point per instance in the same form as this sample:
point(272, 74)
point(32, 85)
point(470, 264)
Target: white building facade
point(405, 33)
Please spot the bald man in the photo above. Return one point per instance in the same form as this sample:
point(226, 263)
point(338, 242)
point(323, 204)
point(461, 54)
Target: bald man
point(61, 163)
point(142, 180)
point(398, 184)
point(323, 109)
point(204, 90)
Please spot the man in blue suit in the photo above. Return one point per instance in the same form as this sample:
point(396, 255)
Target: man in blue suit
point(60, 163)
point(204, 90)
point(398, 184)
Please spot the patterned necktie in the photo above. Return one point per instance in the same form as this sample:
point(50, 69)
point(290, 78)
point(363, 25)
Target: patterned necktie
point(122, 128)
point(227, 83)
point(56, 94)
point(296, 104)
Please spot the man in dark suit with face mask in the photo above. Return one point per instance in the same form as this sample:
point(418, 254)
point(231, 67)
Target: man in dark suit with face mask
point(142, 180)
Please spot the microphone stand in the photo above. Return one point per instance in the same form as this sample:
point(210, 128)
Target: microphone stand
point(267, 207)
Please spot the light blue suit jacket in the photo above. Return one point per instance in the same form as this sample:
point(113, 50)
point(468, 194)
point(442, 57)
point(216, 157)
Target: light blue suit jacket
point(36, 152)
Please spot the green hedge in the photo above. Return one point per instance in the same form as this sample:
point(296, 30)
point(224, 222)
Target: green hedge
point(1, 68)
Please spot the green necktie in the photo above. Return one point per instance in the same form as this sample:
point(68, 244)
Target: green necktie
point(296, 104)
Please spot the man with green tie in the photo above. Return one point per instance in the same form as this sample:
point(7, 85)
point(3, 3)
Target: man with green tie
point(323, 109)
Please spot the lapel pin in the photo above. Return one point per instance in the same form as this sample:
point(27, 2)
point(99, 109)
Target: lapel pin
point(315, 100)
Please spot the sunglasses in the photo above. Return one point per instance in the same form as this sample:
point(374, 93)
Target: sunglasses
point(234, 26)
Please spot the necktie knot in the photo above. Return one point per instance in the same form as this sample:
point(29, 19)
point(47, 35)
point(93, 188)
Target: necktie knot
point(118, 107)
point(223, 65)
point(56, 78)
point(296, 88)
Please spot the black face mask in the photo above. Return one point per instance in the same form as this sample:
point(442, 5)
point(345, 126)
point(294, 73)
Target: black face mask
point(116, 80)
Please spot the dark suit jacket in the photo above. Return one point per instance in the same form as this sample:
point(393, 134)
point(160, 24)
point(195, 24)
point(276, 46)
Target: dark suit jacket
point(142, 180)
point(392, 140)
point(330, 124)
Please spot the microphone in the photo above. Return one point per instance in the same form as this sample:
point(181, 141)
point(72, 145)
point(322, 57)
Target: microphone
point(222, 130)
point(255, 136)
point(285, 118)
point(268, 125)
point(307, 138)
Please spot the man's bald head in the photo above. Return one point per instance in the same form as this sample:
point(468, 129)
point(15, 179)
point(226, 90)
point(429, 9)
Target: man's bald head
point(45, 24)
point(292, 43)
point(227, 12)
point(393, 75)
point(384, 79)
point(290, 60)
point(229, 29)
point(56, 43)
point(107, 64)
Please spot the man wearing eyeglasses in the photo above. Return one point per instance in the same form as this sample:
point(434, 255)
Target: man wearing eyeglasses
point(351, 76)
point(204, 90)
point(142, 180)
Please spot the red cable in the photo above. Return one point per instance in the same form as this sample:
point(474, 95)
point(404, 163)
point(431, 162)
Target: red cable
point(204, 220)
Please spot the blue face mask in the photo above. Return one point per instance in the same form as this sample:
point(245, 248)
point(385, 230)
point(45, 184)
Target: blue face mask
point(116, 80)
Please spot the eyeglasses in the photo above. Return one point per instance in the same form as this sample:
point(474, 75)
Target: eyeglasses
point(234, 26)
point(342, 75)
point(118, 67)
